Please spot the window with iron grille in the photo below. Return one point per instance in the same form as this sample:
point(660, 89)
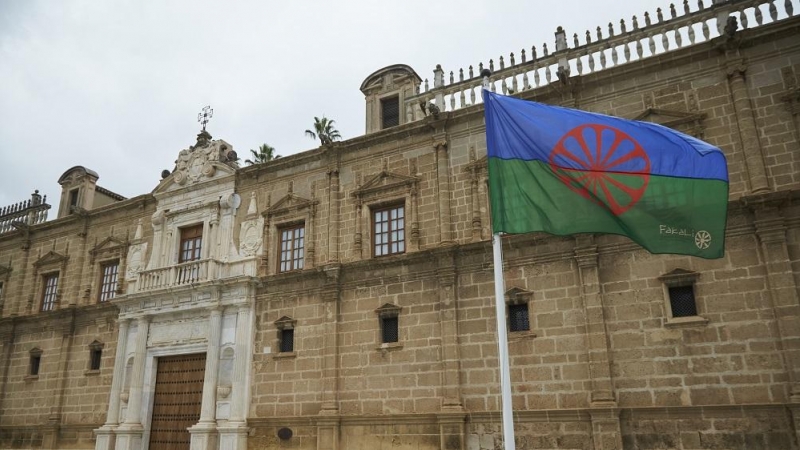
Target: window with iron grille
point(35, 362)
point(108, 281)
point(95, 356)
point(390, 329)
point(50, 291)
point(390, 111)
point(191, 243)
point(292, 247)
point(681, 299)
point(287, 340)
point(389, 230)
point(518, 317)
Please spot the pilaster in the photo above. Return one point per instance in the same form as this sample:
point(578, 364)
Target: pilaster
point(333, 215)
point(748, 132)
point(448, 323)
point(233, 435)
point(606, 432)
point(443, 190)
point(330, 369)
point(129, 433)
point(105, 434)
point(771, 231)
point(203, 434)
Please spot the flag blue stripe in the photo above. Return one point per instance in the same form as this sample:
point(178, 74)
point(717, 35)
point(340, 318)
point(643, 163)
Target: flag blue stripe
point(524, 130)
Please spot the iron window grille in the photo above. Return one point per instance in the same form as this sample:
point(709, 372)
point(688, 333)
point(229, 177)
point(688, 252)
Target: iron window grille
point(95, 356)
point(35, 363)
point(390, 329)
point(518, 319)
point(50, 292)
point(292, 248)
point(682, 301)
point(287, 340)
point(390, 109)
point(389, 227)
point(108, 282)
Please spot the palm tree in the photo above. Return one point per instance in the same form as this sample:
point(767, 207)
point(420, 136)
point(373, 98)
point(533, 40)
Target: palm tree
point(264, 154)
point(324, 130)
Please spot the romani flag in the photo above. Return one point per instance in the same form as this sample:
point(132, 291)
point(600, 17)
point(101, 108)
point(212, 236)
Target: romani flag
point(564, 171)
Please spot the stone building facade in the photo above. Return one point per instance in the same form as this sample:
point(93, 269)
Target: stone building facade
point(342, 298)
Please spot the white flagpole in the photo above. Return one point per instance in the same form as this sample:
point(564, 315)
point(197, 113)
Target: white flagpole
point(502, 334)
point(502, 344)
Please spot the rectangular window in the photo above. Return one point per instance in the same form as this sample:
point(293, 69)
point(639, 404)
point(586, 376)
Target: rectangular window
point(287, 340)
point(518, 317)
point(1, 291)
point(73, 198)
point(389, 329)
point(191, 243)
point(389, 226)
point(108, 282)
point(36, 361)
point(681, 299)
point(95, 355)
point(292, 247)
point(390, 110)
point(49, 292)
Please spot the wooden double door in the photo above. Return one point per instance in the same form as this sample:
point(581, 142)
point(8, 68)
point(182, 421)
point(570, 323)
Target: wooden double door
point(177, 400)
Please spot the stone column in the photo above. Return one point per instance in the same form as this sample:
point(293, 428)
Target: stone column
point(606, 432)
point(771, 232)
point(105, 433)
point(443, 190)
point(204, 433)
point(477, 227)
point(358, 239)
point(748, 132)
point(233, 436)
point(129, 433)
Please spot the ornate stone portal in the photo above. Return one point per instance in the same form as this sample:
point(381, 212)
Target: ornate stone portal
point(175, 305)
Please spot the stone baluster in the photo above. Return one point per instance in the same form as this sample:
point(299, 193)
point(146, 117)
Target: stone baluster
point(678, 37)
point(773, 11)
point(787, 5)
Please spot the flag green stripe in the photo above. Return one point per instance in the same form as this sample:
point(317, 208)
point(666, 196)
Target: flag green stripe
point(672, 213)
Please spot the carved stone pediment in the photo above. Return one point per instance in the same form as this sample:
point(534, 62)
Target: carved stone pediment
point(679, 277)
point(289, 203)
point(389, 78)
point(50, 258)
point(687, 122)
point(477, 165)
point(385, 181)
point(518, 295)
point(108, 245)
point(205, 160)
point(388, 310)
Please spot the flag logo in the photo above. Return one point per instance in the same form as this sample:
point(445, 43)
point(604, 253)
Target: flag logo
point(702, 239)
point(603, 164)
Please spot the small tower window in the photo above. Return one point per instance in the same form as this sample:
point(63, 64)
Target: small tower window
point(390, 112)
point(680, 301)
point(35, 362)
point(95, 355)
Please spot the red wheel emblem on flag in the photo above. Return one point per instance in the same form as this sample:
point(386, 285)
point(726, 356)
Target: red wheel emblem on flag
point(602, 164)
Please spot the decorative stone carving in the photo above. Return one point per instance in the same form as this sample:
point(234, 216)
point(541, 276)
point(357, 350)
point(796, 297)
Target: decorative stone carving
point(201, 160)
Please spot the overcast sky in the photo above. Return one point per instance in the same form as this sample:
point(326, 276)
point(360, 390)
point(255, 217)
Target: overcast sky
point(116, 85)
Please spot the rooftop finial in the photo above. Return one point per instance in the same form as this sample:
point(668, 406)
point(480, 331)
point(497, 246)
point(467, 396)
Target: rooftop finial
point(204, 116)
